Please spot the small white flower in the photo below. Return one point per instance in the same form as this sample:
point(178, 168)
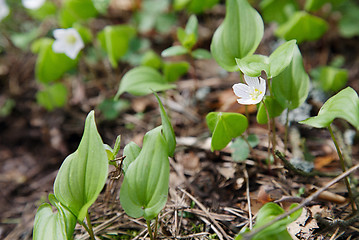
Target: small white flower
point(33, 4)
point(4, 10)
point(252, 92)
point(67, 41)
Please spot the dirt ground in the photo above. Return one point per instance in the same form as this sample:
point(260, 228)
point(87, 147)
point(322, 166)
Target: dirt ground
point(208, 190)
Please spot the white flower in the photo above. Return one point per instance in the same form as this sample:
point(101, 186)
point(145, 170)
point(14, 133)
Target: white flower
point(33, 4)
point(4, 10)
point(252, 92)
point(67, 41)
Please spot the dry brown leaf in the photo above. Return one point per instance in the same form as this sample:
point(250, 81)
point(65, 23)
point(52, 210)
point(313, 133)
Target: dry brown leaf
point(303, 227)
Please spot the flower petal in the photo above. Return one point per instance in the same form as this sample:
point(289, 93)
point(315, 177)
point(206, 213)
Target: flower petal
point(241, 90)
point(59, 46)
point(59, 34)
point(262, 85)
point(246, 101)
point(252, 81)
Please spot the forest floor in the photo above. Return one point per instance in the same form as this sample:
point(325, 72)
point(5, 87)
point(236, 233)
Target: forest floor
point(209, 192)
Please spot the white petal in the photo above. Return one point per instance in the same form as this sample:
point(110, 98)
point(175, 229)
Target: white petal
point(59, 46)
point(4, 10)
point(252, 81)
point(241, 90)
point(71, 53)
point(60, 33)
point(33, 4)
point(262, 85)
point(246, 101)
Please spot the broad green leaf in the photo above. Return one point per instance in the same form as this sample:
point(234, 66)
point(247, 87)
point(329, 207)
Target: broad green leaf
point(192, 31)
point(274, 109)
point(291, 86)
point(344, 105)
point(278, 230)
point(239, 34)
point(174, 51)
point(83, 173)
point(101, 5)
point(314, 5)
point(141, 81)
point(278, 10)
point(253, 65)
point(84, 32)
point(172, 71)
point(115, 41)
point(348, 26)
point(23, 40)
point(199, 6)
point(74, 10)
point(333, 79)
point(240, 150)
point(224, 127)
point(303, 27)
point(51, 66)
point(281, 58)
point(201, 53)
point(131, 152)
point(151, 59)
point(111, 108)
point(145, 186)
point(47, 10)
point(53, 96)
point(50, 225)
point(167, 129)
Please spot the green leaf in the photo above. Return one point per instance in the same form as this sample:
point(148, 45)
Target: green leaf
point(348, 26)
point(141, 81)
point(240, 150)
point(49, 225)
point(278, 230)
point(253, 65)
point(50, 66)
point(332, 79)
point(111, 108)
point(167, 128)
point(291, 86)
point(145, 186)
point(75, 10)
point(314, 5)
point(201, 53)
point(344, 105)
point(174, 70)
point(115, 41)
point(274, 109)
point(281, 58)
point(278, 10)
point(45, 11)
point(238, 36)
point(174, 51)
point(131, 152)
point(199, 6)
point(224, 127)
point(84, 32)
point(151, 59)
point(101, 5)
point(83, 173)
point(23, 40)
point(53, 96)
point(303, 27)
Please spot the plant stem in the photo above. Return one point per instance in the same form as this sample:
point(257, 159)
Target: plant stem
point(149, 229)
point(269, 133)
point(89, 229)
point(156, 227)
point(286, 132)
point(342, 164)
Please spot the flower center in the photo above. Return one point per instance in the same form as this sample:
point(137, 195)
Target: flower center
point(255, 94)
point(71, 39)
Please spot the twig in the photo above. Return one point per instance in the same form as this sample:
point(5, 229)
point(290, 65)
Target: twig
point(203, 208)
point(297, 171)
point(248, 199)
point(304, 202)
